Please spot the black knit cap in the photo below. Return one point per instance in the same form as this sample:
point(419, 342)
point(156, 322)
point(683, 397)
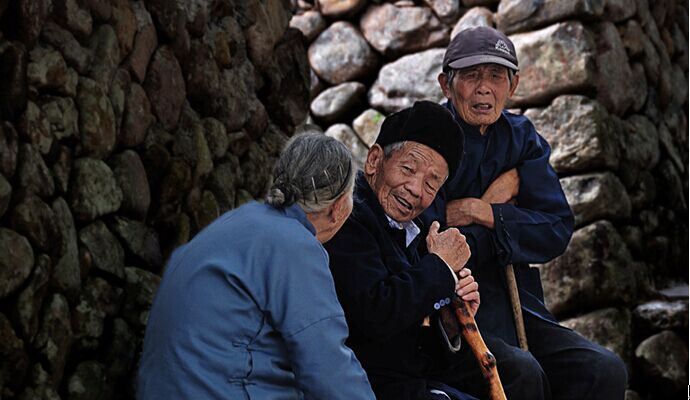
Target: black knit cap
point(480, 45)
point(430, 124)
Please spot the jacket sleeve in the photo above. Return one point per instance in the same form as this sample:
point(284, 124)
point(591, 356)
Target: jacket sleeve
point(539, 227)
point(301, 304)
point(382, 300)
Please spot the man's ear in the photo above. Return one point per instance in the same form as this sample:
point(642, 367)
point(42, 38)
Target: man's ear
point(337, 208)
point(514, 85)
point(374, 159)
point(443, 81)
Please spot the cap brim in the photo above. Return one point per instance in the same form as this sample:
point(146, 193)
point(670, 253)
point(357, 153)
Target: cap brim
point(481, 59)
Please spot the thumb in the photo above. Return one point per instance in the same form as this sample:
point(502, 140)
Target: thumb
point(433, 229)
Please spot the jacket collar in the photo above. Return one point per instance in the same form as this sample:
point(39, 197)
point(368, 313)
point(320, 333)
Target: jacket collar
point(296, 212)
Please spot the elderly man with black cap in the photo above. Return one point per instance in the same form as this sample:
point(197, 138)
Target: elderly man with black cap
point(390, 292)
point(508, 202)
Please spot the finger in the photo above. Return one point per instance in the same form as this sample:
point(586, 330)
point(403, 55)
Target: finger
point(465, 272)
point(470, 288)
point(472, 297)
point(434, 228)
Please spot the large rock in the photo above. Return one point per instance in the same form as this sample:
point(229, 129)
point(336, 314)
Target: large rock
point(202, 76)
point(15, 360)
point(595, 271)
point(393, 31)
point(256, 171)
point(13, 83)
point(125, 22)
point(106, 252)
point(619, 10)
point(581, 134)
point(139, 293)
point(367, 126)
point(661, 315)
point(106, 55)
point(137, 117)
point(345, 134)
point(396, 88)
point(76, 56)
point(340, 8)
point(524, 15)
point(596, 196)
point(613, 75)
point(165, 87)
point(16, 263)
point(222, 182)
point(340, 54)
point(609, 327)
point(54, 338)
point(556, 60)
point(145, 42)
point(639, 147)
point(74, 16)
point(35, 219)
point(310, 23)
point(216, 137)
point(475, 17)
point(335, 103)
point(47, 70)
point(140, 240)
point(97, 301)
point(62, 117)
point(119, 87)
point(28, 305)
point(272, 18)
point(97, 128)
point(663, 359)
point(34, 128)
point(66, 276)
point(94, 191)
point(446, 10)
point(131, 178)
point(32, 173)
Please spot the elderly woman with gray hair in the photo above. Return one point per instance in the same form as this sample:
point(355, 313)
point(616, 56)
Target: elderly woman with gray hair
point(247, 309)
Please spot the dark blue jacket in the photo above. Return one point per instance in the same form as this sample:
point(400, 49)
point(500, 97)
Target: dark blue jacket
point(535, 230)
point(386, 291)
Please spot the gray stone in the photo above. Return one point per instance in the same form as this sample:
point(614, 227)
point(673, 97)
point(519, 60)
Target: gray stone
point(446, 10)
point(340, 9)
point(202, 76)
point(474, 17)
point(5, 195)
point(223, 181)
point(46, 70)
point(367, 126)
point(95, 191)
point(595, 271)
point(203, 208)
point(15, 360)
point(394, 31)
point(239, 143)
point(75, 55)
point(596, 196)
point(9, 147)
point(165, 87)
point(125, 22)
point(345, 134)
point(106, 252)
point(272, 19)
point(32, 173)
point(97, 127)
point(642, 191)
point(216, 137)
point(168, 16)
point(139, 240)
point(556, 60)
point(34, 128)
point(106, 55)
point(340, 54)
point(62, 117)
point(311, 23)
point(16, 263)
point(119, 89)
point(131, 178)
point(54, 338)
point(190, 143)
point(229, 104)
point(74, 16)
point(139, 293)
point(613, 75)
point(256, 171)
point(336, 102)
point(663, 359)
point(35, 219)
point(66, 277)
point(659, 315)
point(581, 134)
point(524, 15)
point(90, 382)
point(396, 88)
point(176, 182)
point(28, 305)
point(13, 82)
point(97, 301)
point(609, 327)
point(32, 16)
point(145, 42)
point(640, 143)
point(632, 37)
point(137, 117)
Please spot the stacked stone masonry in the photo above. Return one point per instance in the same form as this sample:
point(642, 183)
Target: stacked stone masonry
point(126, 126)
point(606, 83)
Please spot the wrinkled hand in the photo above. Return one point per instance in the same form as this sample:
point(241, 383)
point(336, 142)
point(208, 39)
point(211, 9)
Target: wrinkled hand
point(468, 290)
point(503, 189)
point(450, 245)
point(470, 210)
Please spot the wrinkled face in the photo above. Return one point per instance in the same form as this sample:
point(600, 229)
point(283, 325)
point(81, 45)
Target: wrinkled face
point(407, 181)
point(479, 93)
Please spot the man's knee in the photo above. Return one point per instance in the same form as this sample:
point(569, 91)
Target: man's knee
point(522, 376)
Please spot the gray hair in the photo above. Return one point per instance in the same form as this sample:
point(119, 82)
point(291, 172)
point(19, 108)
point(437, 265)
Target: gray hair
point(313, 170)
point(391, 148)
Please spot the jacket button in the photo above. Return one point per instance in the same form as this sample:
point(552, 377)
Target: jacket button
point(437, 306)
point(447, 300)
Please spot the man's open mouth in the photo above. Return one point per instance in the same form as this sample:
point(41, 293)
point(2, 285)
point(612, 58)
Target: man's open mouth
point(404, 203)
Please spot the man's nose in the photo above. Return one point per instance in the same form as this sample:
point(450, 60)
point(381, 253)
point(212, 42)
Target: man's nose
point(414, 186)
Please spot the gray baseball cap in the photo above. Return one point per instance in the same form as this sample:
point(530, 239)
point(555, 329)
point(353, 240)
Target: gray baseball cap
point(480, 45)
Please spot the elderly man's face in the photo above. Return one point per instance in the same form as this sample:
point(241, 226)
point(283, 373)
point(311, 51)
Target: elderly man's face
point(479, 93)
point(407, 181)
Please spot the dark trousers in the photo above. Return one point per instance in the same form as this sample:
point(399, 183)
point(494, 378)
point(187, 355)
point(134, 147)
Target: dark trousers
point(560, 365)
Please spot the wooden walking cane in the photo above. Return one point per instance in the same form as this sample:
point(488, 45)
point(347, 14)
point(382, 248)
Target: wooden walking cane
point(487, 361)
point(517, 307)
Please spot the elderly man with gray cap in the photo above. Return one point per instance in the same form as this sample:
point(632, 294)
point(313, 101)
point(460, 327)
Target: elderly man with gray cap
point(391, 292)
point(508, 202)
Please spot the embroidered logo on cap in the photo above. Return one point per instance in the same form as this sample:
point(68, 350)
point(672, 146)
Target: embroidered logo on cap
point(502, 46)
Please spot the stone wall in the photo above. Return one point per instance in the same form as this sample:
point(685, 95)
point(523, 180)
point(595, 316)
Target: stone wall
point(606, 83)
point(125, 127)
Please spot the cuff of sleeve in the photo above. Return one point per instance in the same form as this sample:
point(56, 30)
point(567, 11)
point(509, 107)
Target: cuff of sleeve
point(503, 213)
point(480, 239)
